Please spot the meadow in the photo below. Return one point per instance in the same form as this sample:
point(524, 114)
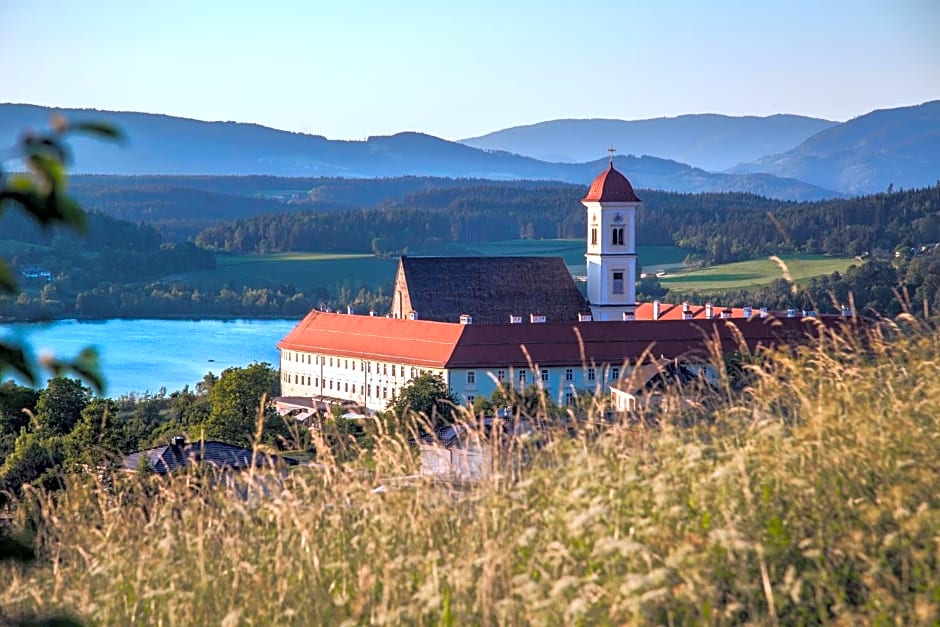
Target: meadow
point(755, 272)
point(310, 270)
point(808, 496)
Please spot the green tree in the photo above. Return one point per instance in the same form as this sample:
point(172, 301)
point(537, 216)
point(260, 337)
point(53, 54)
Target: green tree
point(60, 405)
point(235, 400)
point(426, 396)
point(41, 195)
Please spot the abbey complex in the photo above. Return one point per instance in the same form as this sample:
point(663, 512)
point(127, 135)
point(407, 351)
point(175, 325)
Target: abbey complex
point(479, 322)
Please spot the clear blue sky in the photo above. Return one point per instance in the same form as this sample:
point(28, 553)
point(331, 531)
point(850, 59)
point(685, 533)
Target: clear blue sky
point(456, 69)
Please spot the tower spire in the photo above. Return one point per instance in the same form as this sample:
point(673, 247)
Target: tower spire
point(611, 150)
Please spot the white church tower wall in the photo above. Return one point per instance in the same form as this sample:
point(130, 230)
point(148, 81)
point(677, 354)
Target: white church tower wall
point(611, 246)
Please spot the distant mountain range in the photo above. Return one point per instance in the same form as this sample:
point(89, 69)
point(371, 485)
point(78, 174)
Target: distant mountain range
point(782, 156)
point(159, 144)
point(708, 141)
point(899, 147)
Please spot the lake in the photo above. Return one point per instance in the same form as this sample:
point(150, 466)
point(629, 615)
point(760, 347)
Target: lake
point(138, 356)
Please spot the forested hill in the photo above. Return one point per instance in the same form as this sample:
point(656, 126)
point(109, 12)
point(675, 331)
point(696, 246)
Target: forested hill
point(721, 227)
point(160, 144)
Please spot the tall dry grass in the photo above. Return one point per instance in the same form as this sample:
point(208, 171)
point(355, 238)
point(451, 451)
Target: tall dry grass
point(810, 497)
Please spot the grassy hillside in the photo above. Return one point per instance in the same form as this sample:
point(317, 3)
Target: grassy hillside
point(812, 498)
point(754, 273)
point(305, 270)
point(302, 270)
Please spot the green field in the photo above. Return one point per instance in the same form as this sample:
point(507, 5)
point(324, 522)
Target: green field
point(303, 270)
point(651, 258)
point(754, 273)
point(308, 270)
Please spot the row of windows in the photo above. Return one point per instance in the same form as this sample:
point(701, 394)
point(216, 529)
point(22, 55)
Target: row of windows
point(545, 375)
point(351, 364)
point(380, 391)
point(616, 236)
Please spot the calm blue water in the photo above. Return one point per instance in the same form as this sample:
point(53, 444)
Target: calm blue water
point(144, 355)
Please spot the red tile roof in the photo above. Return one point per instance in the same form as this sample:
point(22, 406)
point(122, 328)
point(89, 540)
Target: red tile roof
point(668, 311)
point(611, 186)
point(449, 345)
point(614, 342)
point(414, 342)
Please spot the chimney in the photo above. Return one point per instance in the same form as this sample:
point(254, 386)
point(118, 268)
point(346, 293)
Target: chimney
point(349, 310)
point(586, 317)
point(763, 312)
point(466, 319)
point(515, 319)
point(413, 315)
point(726, 313)
point(748, 310)
point(629, 316)
point(686, 311)
point(179, 441)
point(372, 313)
point(656, 310)
point(709, 311)
point(791, 313)
point(536, 319)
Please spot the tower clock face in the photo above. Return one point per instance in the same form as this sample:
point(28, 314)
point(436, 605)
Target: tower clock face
point(618, 217)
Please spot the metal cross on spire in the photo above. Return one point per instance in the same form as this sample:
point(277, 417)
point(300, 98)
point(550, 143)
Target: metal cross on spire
point(611, 150)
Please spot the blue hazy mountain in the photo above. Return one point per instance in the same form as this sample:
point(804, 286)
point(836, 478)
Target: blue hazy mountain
point(160, 144)
point(708, 141)
point(899, 147)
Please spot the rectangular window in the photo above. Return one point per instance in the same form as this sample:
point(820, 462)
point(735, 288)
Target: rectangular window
point(614, 373)
point(470, 399)
point(522, 376)
point(569, 398)
point(393, 370)
point(385, 369)
point(331, 384)
point(545, 374)
point(346, 386)
point(308, 379)
point(354, 388)
point(500, 375)
point(614, 238)
point(594, 236)
point(618, 282)
point(331, 362)
point(569, 374)
point(369, 391)
point(471, 377)
point(316, 382)
point(590, 374)
point(384, 392)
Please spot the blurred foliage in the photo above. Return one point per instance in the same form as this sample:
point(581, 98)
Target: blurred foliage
point(41, 193)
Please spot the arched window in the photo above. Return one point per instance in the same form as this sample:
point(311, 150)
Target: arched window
point(593, 236)
point(617, 236)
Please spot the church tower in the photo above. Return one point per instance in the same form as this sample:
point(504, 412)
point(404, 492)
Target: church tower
point(611, 246)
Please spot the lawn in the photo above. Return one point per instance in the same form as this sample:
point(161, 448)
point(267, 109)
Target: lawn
point(754, 273)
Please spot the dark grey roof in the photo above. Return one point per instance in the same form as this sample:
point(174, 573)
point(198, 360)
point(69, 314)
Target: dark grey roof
point(489, 288)
point(170, 457)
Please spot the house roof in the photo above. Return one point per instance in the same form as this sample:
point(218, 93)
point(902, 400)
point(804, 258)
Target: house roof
point(170, 457)
point(611, 186)
point(449, 345)
point(516, 345)
point(667, 311)
point(491, 288)
point(414, 342)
